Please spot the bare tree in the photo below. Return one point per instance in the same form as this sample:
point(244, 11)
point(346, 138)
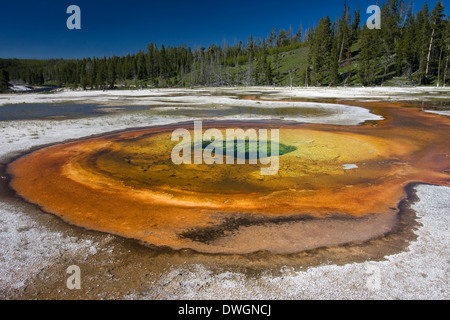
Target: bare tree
point(429, 52)
point(446, 65)
point(290, 78)
point(439, 69)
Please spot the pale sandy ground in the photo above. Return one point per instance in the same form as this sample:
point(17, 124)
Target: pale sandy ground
point(28, 247)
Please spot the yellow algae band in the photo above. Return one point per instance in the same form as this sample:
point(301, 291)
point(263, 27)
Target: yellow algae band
point(128, 184)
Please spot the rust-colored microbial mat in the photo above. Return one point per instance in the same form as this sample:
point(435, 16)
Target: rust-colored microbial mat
point(340, 184)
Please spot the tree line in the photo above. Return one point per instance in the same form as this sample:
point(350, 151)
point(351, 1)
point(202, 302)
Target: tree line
point(414, 46)
point(239, 64)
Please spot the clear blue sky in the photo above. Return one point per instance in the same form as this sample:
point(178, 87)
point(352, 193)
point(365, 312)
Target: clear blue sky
point(37, 29)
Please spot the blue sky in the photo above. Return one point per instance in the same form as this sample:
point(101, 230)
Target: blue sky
point(37, 29)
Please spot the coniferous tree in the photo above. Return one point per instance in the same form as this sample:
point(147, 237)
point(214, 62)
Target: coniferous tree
point(320, 52)
point(309, 35)
point(290, 35)
point(423, 31)
point(299, 34)
point(368, 56)
point(344, 33)
point(282, 39)
point(447, 48)
point(4, 80)
point(334, 63)
point(268, 73)
point(436, 40)
point(407, 54)
point(141, 66)
point(112, 73)
point(272, 38)
point(390, 34)
point(355, 30)
point(251, 52)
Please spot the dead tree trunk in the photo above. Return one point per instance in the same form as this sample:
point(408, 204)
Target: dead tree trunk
point(342, 48)
point(439, 69)
point(306, 78)
point(429, 52)
point(290, 77)
point(446, 66)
